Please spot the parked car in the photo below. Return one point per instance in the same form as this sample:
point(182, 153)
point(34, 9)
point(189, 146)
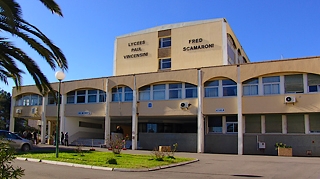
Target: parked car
point(16, 141)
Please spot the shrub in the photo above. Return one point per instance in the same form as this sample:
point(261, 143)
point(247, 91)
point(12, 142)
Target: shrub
point(112, 161)
point(170, 154)
point(79, 149)
point(6, 157)
point(157, 155)
point(281, 145)
point(116, 144)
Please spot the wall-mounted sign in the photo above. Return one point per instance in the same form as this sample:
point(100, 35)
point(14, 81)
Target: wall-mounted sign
point(196, 46)
point(220, 110)
point(84, 113)
point(149, 105)
point(135, 48)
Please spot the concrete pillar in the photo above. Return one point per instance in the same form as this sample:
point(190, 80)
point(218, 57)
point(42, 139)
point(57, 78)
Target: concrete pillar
point(43, 119)
point(134, 116)
point(284, 124)
point(244, 124)
point(306, 124)
point(240, 121)
point(200, 145)
point(224, 124)
point(49, 130)
point(63, 127)
point(107, 116)
point(12, 112)
point(263, 124)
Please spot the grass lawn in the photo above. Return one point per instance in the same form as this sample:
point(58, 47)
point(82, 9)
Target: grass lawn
point(97, 158)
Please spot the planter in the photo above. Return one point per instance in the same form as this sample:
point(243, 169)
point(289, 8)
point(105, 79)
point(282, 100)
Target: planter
point(287, 152)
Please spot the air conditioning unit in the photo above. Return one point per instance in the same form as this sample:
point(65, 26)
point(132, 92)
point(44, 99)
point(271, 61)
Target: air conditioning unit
point(184, 105)
point(34, 110)
point(289, 99)
point(18, 111)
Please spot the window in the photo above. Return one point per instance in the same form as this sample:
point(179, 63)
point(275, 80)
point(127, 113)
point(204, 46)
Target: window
point(271, 85)
point(81, 96)
point(86, 96)
point(122, 94)
point(165, 63)
point(229, 88)
point(90, 125)
point(273, 123)
point(117, 94)
point(211, 88)
point(34, 100)
point(51, 98)
point(165, 42)
point(26, 100)
point(175, 90)
point(250, 87)
point(102, 96)
point(231, 55)
point(232, 124)
point(314, 123)
point(151, 128)
point(29, 100)
point(191, 90)
point(144, 93)
point(92, 96)
point(313, 83)
point(159, 92)
point(70, 97)
point(231, 50)
point(128, 95)
point(293, 83)
point(215, 124)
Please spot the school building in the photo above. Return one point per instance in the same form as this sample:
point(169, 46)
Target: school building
point(191, 84)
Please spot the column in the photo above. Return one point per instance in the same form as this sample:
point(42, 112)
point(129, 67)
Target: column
point(284, 124)
point(224, 124)
point(200, 145)
point(107, 116)
point(263, 124)
point(12, 112)
point(306, 124)
point(44, 120)
point(62, 110)
point(49, 132)
point(240, 122)
point(134, 116)
point(243, 124)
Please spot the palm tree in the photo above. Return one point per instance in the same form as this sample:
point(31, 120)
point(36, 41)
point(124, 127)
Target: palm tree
point(11, 21)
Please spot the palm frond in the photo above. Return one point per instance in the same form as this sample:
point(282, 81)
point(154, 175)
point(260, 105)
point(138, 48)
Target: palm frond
point(53, 6)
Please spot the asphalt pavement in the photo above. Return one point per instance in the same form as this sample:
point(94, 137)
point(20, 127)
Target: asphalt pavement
point(207, 166)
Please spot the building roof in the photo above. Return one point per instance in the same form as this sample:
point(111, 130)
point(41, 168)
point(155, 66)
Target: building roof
point(171, 26)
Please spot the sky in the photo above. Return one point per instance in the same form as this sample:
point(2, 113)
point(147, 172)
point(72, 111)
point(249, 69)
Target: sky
point(267, 30)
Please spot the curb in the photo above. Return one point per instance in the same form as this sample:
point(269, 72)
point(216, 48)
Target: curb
point(106, 168)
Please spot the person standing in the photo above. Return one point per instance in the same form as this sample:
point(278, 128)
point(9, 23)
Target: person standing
point(66, 139)
point(35, 137)
point(62, 138)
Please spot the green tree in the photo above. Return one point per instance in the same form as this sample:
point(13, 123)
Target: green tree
point(6, 157)
point(11, 21)
point(5, 105)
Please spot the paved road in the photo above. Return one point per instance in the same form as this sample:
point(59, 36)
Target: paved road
point(209, 166)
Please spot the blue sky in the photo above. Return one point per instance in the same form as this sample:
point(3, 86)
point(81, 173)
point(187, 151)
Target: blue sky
point(267, 30)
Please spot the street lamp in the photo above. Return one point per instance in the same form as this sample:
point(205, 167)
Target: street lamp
point(60, 76)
